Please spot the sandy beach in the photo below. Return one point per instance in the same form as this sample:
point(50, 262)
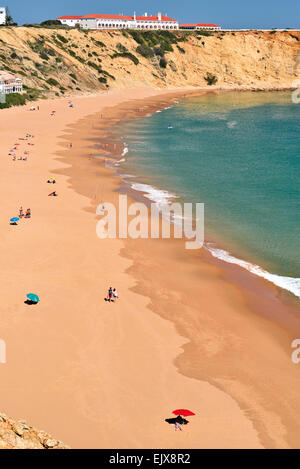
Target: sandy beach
point(101, 375)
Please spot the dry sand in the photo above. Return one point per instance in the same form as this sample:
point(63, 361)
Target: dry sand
point(102, 375)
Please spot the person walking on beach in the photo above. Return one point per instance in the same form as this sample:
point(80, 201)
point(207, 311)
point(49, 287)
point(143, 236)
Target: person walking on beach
point(21, 213)
point(115, 294)
point(110, 294)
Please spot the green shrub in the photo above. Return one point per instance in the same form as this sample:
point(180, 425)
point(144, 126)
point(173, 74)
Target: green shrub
point(126, 55)
point(73, 76)
point(51, 23)
point(32, 94)
point(205, 32)
point(95, 66)
point(163, 62)
point(145, 51)
point(103, 72)
point(211, 79)
point(159, 51)
point(102, 79)
point(44, 56)
point(50, 52)
point(51, 81)
point(62, 39)
point(13, 99)
point(121, 48)
point(180, 49)
point(99, 43)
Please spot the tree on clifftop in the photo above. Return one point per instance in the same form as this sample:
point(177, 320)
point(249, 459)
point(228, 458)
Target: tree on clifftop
point(9, 21)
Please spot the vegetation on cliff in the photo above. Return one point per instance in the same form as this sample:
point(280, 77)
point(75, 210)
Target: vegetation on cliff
point(60, 62)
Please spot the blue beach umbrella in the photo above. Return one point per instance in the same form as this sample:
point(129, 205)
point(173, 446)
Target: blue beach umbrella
point(33, 297)
point(14, 219)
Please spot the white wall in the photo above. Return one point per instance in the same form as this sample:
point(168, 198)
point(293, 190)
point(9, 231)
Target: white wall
point(70, 22)
point(100, 23)
point(3, 15)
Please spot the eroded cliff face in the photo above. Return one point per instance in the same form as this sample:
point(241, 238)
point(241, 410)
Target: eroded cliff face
point(19, 435)
point(56, 62)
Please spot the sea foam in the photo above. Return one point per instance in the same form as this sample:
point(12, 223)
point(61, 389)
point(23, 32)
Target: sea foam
point(290, 284)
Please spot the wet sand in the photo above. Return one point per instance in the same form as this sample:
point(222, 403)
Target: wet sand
point(187, 331)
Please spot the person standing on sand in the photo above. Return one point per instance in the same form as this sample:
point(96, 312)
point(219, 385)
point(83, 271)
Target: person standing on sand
point(110, 294)
point(115, 294)
point(21, 213)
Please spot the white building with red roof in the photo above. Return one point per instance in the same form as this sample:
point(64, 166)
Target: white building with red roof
point(199, 26)
point(69, 20)
point(10, 83)
point(99, 21)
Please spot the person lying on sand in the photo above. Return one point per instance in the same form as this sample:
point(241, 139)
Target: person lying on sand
point(52, 194)
point(177, 422)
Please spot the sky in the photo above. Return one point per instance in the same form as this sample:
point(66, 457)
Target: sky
point(229, 14)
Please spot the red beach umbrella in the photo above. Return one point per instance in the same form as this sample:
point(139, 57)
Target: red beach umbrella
point(183, 412)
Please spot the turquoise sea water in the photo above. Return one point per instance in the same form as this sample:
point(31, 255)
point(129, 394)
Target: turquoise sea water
point(239, 154)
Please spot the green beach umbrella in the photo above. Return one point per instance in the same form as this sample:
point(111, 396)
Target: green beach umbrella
point(33, 297)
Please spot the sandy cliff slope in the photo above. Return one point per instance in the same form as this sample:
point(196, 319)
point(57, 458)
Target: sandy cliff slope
point(62, 62)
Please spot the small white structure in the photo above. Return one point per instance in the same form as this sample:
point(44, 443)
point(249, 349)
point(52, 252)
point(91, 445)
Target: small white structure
point(9, 83)
point(69, 20)
point(3, 15)
point(98, 21)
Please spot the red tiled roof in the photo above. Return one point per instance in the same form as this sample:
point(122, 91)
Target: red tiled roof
point(109, 17)
point(208, 24)
point(125, 17)
point(193, 25)
point(69, 17)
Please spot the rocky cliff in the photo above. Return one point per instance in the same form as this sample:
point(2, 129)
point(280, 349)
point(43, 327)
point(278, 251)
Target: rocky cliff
point(55, 62)
point(19, 435)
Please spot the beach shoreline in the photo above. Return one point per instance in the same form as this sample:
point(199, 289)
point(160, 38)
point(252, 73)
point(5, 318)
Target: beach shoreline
point(214, 342)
